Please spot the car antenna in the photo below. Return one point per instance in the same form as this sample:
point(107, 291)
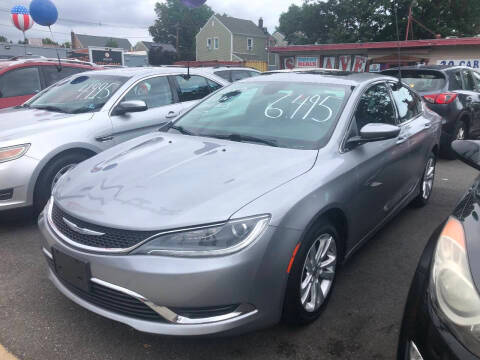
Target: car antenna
point(398, 44)
point(188, 70)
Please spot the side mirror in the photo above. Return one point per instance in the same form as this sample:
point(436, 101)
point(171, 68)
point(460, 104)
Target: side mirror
point(130, 106)
point(374, 132)
point(468, 151)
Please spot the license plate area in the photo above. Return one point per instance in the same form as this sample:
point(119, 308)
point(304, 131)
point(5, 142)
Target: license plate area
point(75, 272)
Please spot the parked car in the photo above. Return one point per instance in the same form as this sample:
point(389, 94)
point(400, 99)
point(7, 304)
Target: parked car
point(237, 214)
point(452, 92)
point(23, 78)
point(442, 315)
point(232, 74)
point(82, 115)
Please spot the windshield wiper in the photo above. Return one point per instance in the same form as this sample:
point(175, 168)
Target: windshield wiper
point(181, 130)
point(49, 108)
point(244, 138)
point(86, 109)
point(26, 106)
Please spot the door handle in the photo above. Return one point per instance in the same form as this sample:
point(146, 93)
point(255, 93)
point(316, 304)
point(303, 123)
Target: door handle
point(401, 139)
point(171, 115)
point(104, 138)
point(469, 99)
point(428, 125)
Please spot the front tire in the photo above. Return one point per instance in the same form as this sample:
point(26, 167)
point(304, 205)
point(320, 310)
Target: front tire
point(51, 174)
point(426, 185)
point(313, 275)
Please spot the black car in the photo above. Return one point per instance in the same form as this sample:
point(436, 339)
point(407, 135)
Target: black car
point(442, 315)
point(453, 93)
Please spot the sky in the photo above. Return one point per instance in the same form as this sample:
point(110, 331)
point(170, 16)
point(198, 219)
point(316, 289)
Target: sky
point(128, 18)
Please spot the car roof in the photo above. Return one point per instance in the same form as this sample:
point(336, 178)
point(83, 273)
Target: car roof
point(6, 63)
point(212, 69)
point(146, 71)
point(429, 67)
point(328, 76)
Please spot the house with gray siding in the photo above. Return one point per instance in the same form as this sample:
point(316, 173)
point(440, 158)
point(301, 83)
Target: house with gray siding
point(226, 38)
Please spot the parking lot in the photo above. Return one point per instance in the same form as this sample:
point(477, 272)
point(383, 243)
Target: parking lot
point(361, 322)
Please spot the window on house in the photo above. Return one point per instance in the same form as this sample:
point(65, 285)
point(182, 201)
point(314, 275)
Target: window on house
point(209, 43)
point(215, 43)
point(249, 44)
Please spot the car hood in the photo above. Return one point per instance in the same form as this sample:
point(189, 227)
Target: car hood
point(164, 181)
point(20, 122)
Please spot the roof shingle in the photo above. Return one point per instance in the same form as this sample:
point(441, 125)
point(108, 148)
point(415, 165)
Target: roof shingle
point(101, 41)
point(241, 26)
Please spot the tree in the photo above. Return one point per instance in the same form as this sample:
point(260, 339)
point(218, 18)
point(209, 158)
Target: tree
point(23, 42)
point(172, 15)
point(3, 39)
point(48, 41)
point(339, 21)
point(159, 56)
point(111, 43)
point(67, 45)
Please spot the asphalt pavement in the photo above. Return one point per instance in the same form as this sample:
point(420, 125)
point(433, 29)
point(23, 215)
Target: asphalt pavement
point(362, 320)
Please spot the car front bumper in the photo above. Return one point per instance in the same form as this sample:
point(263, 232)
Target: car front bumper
point(249, 285)
point(15, 180)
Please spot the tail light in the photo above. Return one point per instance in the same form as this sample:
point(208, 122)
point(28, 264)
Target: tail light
point(443, 98)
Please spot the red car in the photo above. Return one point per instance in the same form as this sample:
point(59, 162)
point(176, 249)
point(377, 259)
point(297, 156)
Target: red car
point(22, 79)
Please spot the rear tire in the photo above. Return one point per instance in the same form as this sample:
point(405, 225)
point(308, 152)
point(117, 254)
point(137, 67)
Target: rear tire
point(427, 181)
point(313, 275)
point(51, 174)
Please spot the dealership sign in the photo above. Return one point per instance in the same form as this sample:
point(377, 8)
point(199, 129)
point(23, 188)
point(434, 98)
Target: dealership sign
point(345, 62)
point(329, 62)
point(289, 63)
point(106, 56)
point(473, 63)
point(307, 61)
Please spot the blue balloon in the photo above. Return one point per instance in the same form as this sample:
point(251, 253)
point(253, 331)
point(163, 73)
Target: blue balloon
point(193, 3)
point(43, 12)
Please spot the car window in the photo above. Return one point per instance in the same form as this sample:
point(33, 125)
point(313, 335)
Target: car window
point(476, 80)
point(421, 80)
point(238, 75)
point(155, 92)
point(194, 88)
point(375, 106)
point(52, 75)
point(20, 82)
point(224, 74)
point(468, 83)
point(289, 114)
point(405, 102)
point(213, 85)
point(253, 73)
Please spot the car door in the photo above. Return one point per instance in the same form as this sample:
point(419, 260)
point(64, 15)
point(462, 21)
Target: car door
point(191, 89)
point(18, 85)
point(162, 107)
point(475, 125)
point(380, 166)
point(470, 99)
point(415, 128)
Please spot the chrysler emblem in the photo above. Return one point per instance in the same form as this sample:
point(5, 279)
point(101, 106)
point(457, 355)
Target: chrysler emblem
point(80, 230)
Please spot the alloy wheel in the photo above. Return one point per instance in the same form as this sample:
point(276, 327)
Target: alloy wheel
point(61, 172)
point(318, 272)
point(428, 178)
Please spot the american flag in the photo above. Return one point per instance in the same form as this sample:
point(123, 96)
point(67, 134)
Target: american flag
point(21, 18)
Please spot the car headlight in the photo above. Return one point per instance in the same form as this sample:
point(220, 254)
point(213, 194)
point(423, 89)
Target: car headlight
point(452, 288)
point(13, 152)
point(216, 240)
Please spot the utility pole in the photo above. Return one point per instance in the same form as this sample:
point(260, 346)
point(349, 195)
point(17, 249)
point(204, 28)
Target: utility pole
point(177, 26)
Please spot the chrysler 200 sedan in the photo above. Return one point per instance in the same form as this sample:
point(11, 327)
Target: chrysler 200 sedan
point(238, 214)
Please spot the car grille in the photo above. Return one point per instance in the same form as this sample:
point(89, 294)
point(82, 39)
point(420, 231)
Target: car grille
point(113, 238)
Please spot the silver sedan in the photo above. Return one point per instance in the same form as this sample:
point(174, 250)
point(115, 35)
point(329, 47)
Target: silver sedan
point(84, 115)
point(239, 213)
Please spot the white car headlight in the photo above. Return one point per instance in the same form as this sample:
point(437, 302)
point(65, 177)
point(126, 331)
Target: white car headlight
point(215, 240)
point(13, 152)
point(452, 288)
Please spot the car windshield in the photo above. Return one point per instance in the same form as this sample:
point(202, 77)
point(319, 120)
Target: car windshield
point(78, 94)
point(285, 114)
point(422, 80)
